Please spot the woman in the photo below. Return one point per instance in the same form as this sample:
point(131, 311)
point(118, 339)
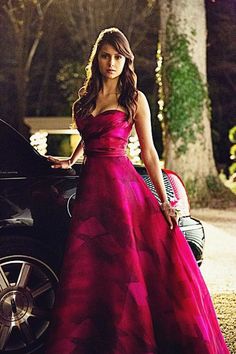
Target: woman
point(129, 282)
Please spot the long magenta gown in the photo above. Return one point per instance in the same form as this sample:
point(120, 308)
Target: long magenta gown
point(129, 284)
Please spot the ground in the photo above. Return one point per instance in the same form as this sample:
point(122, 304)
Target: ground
point(219, 266)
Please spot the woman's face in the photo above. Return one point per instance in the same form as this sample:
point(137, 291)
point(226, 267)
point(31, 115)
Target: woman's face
point(110, 62)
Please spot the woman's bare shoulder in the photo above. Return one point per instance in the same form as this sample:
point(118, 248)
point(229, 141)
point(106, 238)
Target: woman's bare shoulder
point(141, 96)
point(142, 105)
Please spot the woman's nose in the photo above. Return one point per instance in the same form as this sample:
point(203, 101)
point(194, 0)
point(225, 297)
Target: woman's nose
point(111, 61)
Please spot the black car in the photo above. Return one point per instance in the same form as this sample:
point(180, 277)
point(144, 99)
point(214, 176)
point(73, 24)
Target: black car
point(35, 211)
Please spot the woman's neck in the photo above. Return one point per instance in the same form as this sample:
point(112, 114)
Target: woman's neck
point(109, 87)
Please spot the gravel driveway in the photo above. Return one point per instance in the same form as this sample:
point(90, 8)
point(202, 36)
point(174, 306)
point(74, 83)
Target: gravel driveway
point(219, 266)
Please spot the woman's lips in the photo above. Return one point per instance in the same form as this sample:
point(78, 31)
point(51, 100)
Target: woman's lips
point(110, 71)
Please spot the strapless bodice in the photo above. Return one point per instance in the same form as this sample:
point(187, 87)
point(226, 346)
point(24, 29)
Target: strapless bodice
point(106, 134)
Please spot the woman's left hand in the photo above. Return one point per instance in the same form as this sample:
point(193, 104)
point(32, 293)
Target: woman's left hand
point(169, 213)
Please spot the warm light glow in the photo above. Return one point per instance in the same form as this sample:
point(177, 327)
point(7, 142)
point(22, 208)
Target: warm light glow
point(133, 149)
point(158, 69)
point(39, 141)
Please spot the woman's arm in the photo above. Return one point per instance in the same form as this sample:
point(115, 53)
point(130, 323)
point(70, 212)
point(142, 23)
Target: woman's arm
point(67, 163)
point(149, 154)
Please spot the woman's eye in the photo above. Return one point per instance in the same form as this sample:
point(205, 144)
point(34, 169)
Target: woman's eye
point(107, 56)
point(104, 55)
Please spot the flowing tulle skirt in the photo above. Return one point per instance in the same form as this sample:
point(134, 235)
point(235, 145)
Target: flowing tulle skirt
point(129, 284)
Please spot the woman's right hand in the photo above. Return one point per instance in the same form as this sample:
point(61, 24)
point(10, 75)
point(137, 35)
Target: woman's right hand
point(56, 163)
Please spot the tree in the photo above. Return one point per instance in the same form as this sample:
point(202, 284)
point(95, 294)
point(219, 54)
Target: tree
point(186, 115)
point(26, 18)
point(65, 43)
point(86, 18)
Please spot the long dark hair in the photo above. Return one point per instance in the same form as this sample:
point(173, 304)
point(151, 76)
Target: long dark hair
point(127, 84)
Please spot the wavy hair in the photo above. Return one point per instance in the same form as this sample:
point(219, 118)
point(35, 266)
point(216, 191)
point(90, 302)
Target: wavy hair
point(127, 84)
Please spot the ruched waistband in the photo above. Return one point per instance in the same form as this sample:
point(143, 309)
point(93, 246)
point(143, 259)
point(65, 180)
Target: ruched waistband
point(105, 152)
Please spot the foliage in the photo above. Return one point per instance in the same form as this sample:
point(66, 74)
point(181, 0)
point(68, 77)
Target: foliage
point(70, 77)
point(59, 145)
point(232, 134)
point(213, 183)
point(212, 192)
point(232, 138)
point(232, 168)
point(187, 92)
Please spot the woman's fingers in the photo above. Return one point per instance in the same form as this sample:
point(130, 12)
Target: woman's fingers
point(170, 217)
point(65, 164)
point(56, 163)
point(56, 166)
point(52, 159)
point(170, 222)
point(61, 164)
